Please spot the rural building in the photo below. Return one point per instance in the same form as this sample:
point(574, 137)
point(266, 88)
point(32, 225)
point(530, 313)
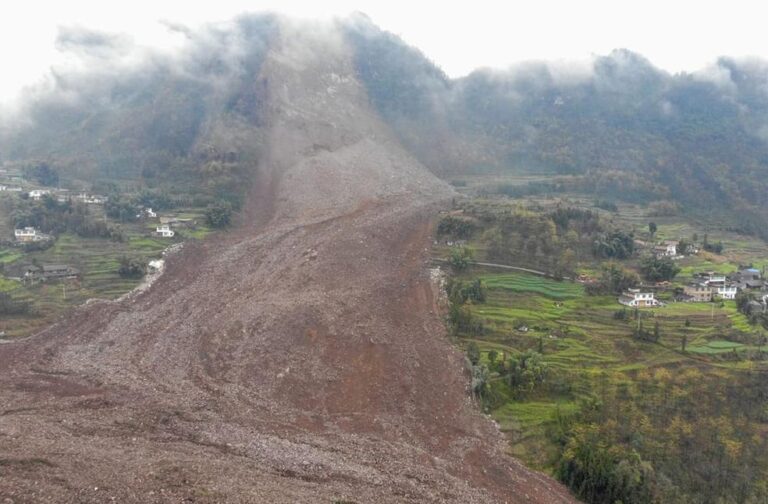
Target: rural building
point(716, 280)
point(727, 291)
point(748, 279)
point(36, 194)
point(177, 221)
point(697, 293)
point(91, 199)
point(165, 231)
point(50, 272)
point(638, 299)
point(666, 249)
point(28, 234)
point(146, 213)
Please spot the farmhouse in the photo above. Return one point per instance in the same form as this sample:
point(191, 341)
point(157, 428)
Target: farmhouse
point(36, 194)
point(146, 213)
point(638, 299)
point(91, 199)
point(28, 234)
point(50, 272)
point(666, 249)
point(697, 293)
point(177, 221)
point(748, 279)
point(165, 231)
point(714, 280)
point(727, 291)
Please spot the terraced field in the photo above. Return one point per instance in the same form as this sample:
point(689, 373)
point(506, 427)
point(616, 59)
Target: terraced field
point(521, 282)
point(582, 340)
point(98, 262)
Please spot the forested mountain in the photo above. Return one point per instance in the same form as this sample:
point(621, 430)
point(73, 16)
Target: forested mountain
point(617, 126)
point(176, 117)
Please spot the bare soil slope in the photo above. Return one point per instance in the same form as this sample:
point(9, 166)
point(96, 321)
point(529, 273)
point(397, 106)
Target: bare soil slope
point(298, 359)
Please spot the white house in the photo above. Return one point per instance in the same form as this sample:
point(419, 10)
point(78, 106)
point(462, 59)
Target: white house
point(28, 234)
point(716, 280)
point(3, 187)
point(165, 231)
point(639, 299)
point(146, 212)
point(91, 199)
point(666, 249)
point(727, 291)
point(36, 194)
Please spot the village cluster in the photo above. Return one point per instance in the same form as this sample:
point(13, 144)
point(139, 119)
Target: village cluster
point(705, 287)
point(14, 182)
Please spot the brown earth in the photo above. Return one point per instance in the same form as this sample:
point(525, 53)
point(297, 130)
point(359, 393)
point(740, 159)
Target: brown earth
point(300, 358)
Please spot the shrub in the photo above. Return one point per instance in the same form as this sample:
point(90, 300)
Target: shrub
point(219, 215)
point(131, 268)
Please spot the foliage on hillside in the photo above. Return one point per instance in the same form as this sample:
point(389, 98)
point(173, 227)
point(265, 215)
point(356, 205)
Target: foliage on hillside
point(618, 127)
point(624, 405)
point(186, 122)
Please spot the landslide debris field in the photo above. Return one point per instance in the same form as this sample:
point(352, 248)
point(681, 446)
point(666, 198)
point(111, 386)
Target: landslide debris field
point(299, 358)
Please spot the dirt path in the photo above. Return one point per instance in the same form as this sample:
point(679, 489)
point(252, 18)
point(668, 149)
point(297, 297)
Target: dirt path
point(298, 359)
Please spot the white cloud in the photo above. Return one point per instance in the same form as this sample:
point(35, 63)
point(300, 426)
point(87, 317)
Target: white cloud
point(459, 36)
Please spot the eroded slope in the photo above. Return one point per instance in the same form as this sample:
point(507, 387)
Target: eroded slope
point(298, 359)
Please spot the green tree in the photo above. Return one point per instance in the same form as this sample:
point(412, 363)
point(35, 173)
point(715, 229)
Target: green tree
point(131, 268)
point(656, 269)
point(219, 215)
point(461, 257)
point(473, 353)
point(615, 244)
point(526, 371)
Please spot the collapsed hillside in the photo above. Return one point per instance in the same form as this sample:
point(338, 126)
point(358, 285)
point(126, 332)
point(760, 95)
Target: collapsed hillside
point(301, 358)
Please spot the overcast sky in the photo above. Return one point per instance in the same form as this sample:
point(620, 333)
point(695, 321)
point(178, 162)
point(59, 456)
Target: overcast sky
point(458, 36)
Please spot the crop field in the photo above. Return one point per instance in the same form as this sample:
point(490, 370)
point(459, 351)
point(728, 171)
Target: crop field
point(522, 282)
point(717, 347)
point(96, 259)
point(581, 340)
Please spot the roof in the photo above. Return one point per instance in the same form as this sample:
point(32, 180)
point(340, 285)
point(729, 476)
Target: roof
point(55, 267)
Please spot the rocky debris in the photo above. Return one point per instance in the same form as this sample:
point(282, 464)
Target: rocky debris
point(299, 359)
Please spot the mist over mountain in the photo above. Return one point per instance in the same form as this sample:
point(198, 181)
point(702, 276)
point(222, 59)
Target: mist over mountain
point(129, 113)
point(302, 354)
point(618, 126)
point(614, 125)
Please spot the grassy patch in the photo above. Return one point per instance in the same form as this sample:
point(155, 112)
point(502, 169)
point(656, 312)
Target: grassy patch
point(716, 347)
point(521, 282)
point(8, 255)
